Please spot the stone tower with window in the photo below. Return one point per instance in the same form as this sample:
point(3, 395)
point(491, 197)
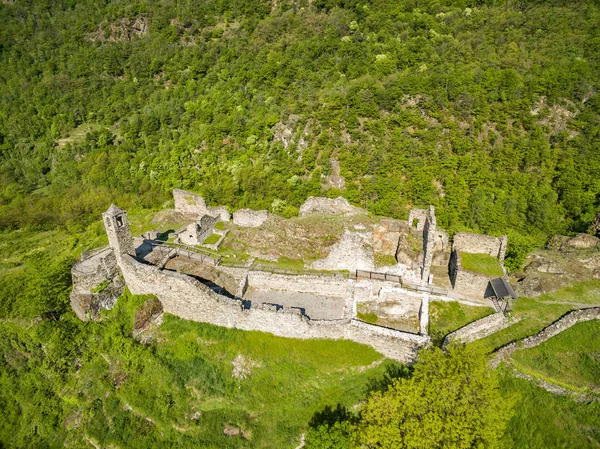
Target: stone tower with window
point(116, 224)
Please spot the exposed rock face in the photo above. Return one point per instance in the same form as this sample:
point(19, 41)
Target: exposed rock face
point(193, 206)
point(284, 131)
point(146, 317)
point(386, 236)
point(335, 180)
point(352, 252)
point(328, 206)
point(580, 241)
point(529, 287)
point(123, 31)
point(96, 284)
point(595, 226)
point(249, 218)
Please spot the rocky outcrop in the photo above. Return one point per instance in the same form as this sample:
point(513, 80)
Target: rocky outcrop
point(352, 252)
point(147, 318)
point(97, 284)
point(568, 244)
point(595, 226)
point(123, 31)
point(249, 218)
point(328, 206)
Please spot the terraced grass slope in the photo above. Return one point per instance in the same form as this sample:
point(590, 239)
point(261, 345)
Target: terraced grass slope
point(571, 358)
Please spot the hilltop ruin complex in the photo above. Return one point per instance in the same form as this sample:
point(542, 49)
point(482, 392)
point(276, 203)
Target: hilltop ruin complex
point(331, 299)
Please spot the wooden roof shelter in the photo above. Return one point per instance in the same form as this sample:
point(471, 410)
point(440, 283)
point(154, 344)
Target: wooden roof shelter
point(501, 293)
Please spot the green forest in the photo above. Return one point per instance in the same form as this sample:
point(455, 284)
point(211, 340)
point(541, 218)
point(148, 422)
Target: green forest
point(487, 109)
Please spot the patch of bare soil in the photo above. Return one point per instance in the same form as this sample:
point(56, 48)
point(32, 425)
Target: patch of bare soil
point(306, 239)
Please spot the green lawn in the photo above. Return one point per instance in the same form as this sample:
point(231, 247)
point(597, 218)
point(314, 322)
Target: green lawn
point(446, 317)
point(212, 239)
point(481, 263)
point(571, 357)
point(543, 420)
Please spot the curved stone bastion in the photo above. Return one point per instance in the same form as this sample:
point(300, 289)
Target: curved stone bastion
point(295, 306)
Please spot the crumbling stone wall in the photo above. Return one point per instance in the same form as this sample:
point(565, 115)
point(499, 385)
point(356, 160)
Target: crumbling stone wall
point(467, 282)
point(328, 206)
point(393, 333)
point(249, 218)
point(352, 252)
point(441, 249)
point(195, 233)
point(429, 233)
point(417, 218)
point(481, 244)
point(478, 329)
point(193, 206)
point(562, 324)
point(96, 284)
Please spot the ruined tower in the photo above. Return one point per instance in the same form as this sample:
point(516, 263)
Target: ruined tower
point(116, 224)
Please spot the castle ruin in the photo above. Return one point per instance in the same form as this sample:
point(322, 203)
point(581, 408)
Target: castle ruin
point(195, 285)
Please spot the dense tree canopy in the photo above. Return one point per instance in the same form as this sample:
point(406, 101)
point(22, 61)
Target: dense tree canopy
point(488, 110)
point(451, 401)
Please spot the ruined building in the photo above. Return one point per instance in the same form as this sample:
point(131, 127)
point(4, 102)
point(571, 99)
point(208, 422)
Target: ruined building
point(192, 284)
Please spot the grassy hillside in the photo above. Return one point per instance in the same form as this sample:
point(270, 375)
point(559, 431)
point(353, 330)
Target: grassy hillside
point(571, 357)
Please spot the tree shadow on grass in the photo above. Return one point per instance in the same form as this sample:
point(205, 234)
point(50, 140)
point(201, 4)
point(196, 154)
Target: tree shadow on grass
point(329, 416)
point(392, 373)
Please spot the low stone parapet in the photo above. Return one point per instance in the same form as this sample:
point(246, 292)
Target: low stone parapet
point(478, 329)
point(392, 333)
point(562, 324)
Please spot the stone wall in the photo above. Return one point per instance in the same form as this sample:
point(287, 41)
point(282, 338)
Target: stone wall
point(196, 233)
point(96, 284)
point(429, 234)
point(480, 244)
point(416, 219)
point(322, 285)
point(466, 282)
point(393, 333)
point(188, 298)
point(441, 250)
point(328, 206)
point(478, 329)
point(193, 206)
point(248, 218)
point(562, 324)
point(386, 235)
